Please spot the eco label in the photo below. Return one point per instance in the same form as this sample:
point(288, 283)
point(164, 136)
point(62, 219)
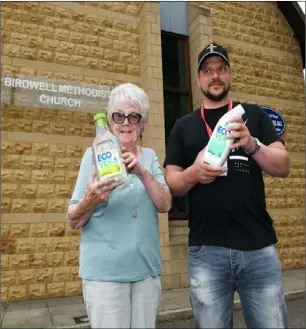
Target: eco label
point(108, 163)
point(216, 147)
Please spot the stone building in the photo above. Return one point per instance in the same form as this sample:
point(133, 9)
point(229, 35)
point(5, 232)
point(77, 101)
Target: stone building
point(105, 44)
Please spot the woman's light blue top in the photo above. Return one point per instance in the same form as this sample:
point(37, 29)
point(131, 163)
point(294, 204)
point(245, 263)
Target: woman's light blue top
point(120, 242)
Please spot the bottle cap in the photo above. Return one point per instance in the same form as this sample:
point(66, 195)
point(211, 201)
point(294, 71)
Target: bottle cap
point(99, 116)
point(100, 120)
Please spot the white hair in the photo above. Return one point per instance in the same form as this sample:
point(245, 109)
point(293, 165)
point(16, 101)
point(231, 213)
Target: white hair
point(130, 94)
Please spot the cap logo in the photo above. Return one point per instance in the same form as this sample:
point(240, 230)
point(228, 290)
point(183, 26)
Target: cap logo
point(211, 47)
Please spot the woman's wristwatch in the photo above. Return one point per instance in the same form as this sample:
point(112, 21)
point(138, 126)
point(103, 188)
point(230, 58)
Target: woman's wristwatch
point(256, 147)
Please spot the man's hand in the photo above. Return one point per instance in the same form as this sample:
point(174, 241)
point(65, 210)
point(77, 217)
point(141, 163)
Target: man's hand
point(204, 173)
point(240, 133)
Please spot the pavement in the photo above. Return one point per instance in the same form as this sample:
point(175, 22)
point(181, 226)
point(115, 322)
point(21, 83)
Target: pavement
point(63, 312)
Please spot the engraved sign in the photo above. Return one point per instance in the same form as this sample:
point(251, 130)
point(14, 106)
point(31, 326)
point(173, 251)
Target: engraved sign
point(32, 91)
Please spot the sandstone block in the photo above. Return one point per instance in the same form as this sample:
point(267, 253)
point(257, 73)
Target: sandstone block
point(132, 9)
point(61, 58)
point(25, 246)
point(45, 163)
point(75, 243)
point(56, 289)
point(76, 60)
point(66, 47)
point(47, 9)
point(82, 28)
point(106, 5)
point(41, 126)
point(38, 230)
point(7, 147)
point(31, 113)
point(56, 229)
point(71, 232)
point(77, 37)
point(73, 288)
point(12, 25)
point(55, 259)
point(63, 191)
point(49, 45)
point(106, 43)
point(119, 7)
point(5, 231)
point(29, 162)
point(40, 176)
point(75, 273)
point(62, 244)
point(37, 291)
point(91, 63)
point(82, 50)
point(44, 275)
point(74, 151)
point(91, 40)
point(62, 274)
point(71, 176)
point(40, 149)
point(45, 55)
point(57, 177)
point(88, 130)
point(37, 260)
point(16, 293)
point(24, 277)
point(44, 245)
point(39, 205)
point(9, 246)
point(18, 39)
point(56, 206)
point(72, 258)
point(17, 262)
point(20, 205)
point(4, 262)
point(34, 41)
point(28, 53)
point(10, 190)
point(78, 15)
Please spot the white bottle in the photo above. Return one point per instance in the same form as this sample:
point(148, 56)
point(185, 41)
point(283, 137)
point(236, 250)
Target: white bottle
point(107, 152)
point(218, 147)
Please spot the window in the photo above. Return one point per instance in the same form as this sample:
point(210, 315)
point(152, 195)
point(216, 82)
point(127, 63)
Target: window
point(177, 95)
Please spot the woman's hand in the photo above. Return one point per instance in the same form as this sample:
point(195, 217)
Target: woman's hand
point(131, 163)
point(99, 192)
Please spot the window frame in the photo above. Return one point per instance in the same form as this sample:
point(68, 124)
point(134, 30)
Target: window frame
point(180, 91)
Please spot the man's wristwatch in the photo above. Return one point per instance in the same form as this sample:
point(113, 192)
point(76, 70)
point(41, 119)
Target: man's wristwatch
point(257, 145)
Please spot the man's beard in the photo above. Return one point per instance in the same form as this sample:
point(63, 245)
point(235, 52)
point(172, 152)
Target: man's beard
point(216, 98)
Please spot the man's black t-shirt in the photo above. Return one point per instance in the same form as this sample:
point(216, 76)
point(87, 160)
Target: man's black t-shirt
point(231, 211)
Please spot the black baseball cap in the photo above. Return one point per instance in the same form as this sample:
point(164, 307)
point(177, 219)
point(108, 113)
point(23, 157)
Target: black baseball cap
point(212, 49)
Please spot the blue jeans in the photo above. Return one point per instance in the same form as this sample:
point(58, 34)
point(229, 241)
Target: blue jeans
point(216, 272)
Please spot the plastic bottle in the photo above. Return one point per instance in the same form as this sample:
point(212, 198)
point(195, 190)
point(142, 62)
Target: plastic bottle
point(107, 152)
point(218, 147)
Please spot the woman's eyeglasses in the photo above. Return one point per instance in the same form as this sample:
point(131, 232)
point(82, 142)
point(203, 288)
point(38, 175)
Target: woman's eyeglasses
point(133, 118)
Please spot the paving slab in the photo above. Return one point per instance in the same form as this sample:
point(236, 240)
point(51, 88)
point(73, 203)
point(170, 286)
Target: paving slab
point(30, 318)
point(180, 297)
point(25, 305)
point(62, 315)
point(167, 305)
point(65, 301)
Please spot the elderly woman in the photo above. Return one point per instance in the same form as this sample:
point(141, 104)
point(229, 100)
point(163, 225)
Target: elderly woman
point(120, 260)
